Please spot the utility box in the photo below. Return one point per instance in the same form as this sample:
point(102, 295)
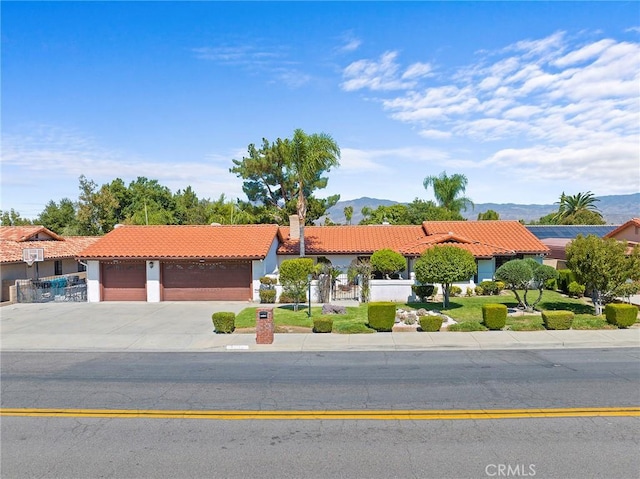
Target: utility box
point(264, 326)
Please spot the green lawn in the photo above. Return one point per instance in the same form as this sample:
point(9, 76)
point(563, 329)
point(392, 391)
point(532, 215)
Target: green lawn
point(466, 310)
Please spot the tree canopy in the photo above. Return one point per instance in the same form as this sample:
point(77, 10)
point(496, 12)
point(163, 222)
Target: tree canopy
point(448, 191)
point(445, 265)
point(604, 265)
point(281, 177)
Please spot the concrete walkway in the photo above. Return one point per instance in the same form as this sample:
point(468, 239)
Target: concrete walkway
point(187, 327)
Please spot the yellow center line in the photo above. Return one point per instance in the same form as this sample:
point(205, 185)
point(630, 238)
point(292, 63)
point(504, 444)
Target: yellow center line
point(383, 415)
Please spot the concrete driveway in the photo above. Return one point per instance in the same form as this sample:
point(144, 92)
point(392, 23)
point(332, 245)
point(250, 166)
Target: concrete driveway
point(187, 326)
point(109, 325)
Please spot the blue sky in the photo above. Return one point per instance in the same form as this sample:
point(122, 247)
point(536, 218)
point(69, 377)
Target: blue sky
point(526, 99)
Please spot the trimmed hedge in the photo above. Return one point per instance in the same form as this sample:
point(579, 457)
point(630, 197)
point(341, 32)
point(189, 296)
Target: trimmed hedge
point(267, 295)
point(322, 325)
point(431, 324)
point(557, 319)
point(489, 288)
point(621, 315)
point(224, 322)
point(381, 315)
point(494, 316)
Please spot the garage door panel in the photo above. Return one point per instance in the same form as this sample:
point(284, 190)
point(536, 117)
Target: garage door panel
point(124, 281)
point(206, 281)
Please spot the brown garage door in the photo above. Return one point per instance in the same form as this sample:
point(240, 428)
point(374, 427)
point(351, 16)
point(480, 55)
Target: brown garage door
point(124, 281)
point(207, 281)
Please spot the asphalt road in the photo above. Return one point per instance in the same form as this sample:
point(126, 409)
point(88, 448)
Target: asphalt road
point(137, 447)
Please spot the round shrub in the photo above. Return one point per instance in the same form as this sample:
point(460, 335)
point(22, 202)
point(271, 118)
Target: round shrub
point(621, 315)
point(576, 290)
point(322, 325)
point(489, 287)
point(224, 322)
point(479, 290)
point(267, 295)
point(455, 290)
point(494, 316)
point(431, 324)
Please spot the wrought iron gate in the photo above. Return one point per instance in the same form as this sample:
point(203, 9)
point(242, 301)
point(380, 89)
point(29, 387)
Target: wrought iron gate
point(344, 289)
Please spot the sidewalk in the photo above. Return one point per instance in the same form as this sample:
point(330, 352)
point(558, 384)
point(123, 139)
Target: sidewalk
point(187, 327)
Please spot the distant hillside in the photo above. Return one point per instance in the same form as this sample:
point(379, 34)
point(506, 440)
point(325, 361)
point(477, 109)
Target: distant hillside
point(616, 209)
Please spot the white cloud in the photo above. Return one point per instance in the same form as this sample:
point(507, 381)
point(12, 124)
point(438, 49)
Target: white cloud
point(383, 74)
point(417, 70)
point(49, 153)
point(557, 107)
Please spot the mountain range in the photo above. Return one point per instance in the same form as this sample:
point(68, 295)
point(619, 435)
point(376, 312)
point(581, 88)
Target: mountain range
point(615, 209)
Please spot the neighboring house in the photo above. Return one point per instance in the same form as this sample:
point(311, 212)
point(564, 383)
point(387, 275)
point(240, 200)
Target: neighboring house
point(170, 263)
point(59, 254)
point(629, 232)
point(180, 263)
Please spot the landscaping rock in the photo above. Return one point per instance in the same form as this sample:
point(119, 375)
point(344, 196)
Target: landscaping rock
point(333, 309)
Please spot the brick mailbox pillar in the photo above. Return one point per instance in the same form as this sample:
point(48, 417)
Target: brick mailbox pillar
point(264, 326)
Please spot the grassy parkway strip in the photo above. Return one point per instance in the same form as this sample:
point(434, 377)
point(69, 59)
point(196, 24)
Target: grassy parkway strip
point(351, 415)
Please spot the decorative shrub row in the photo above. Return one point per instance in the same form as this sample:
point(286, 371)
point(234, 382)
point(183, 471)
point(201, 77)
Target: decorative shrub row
point(494, 316)
point(431, 324)
point(267, 295)
point(423, 291)
point(557, 319)
point(322, 325)
point(224, 322)
point(381, 315)
point(489, 288)
point(621, 315)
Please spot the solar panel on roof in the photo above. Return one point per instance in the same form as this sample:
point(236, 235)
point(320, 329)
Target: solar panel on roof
point(569, 231)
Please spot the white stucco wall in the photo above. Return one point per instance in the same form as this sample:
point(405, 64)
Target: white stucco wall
point(93, 281)
point(398, 290)
point(153, 281)
point(265, 267)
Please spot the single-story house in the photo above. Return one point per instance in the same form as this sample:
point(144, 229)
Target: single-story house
point(59, 254)
point(225, 262)
point(180, 263)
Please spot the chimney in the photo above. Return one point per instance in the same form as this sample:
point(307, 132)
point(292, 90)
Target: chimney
point(294, 227)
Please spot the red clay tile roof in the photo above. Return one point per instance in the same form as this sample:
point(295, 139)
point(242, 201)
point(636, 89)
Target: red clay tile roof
point(484, 239)
point(25, 233)
point(361, 239)
point(212, 242)
point(510, 236)
point(477, 249)
point(67, 247)
point(631, 222)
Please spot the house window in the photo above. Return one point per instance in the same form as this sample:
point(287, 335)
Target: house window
point(81, 267)
point(57, 267)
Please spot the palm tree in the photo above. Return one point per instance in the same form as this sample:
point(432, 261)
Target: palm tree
point(447, 190)
point(310, 156)
point(572, 205)
point(348, 213)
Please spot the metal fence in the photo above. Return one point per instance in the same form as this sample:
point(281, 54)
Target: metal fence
point(342, 288)
point(63, 288)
